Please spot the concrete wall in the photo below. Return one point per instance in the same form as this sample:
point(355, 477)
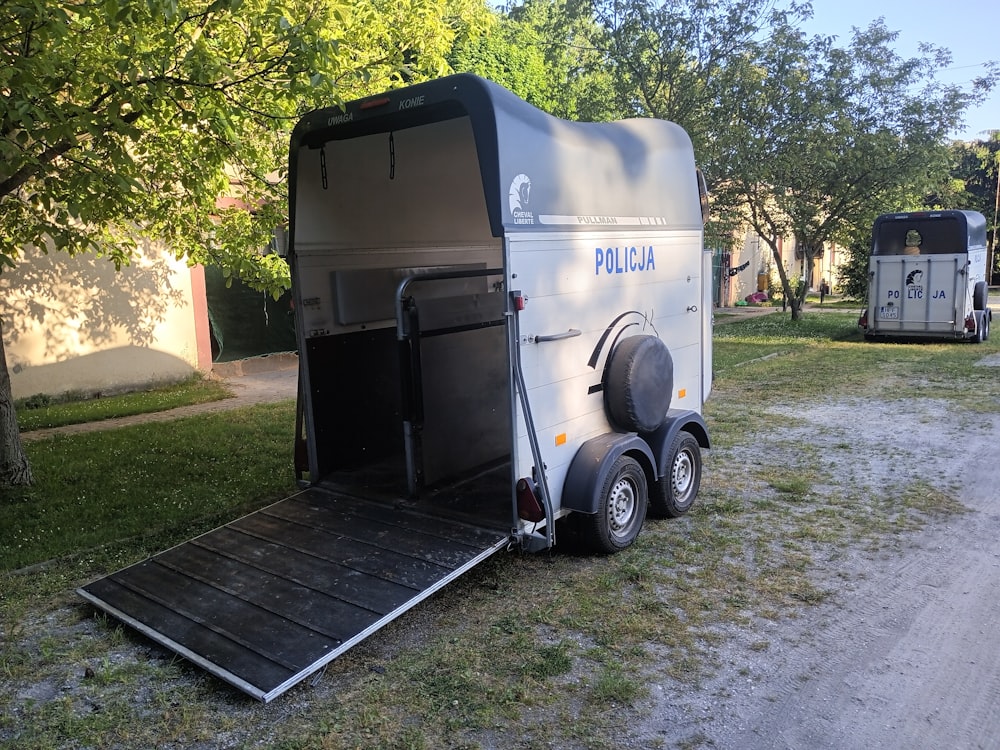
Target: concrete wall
point(75, 324)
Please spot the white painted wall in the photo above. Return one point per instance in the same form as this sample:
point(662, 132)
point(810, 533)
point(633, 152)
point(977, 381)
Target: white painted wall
point(75, 324)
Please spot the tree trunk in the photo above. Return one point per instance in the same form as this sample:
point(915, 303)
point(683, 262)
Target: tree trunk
point(786, 288)
point(14, 467)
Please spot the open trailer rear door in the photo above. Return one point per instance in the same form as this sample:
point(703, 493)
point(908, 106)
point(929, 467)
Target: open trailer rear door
point(265, 601)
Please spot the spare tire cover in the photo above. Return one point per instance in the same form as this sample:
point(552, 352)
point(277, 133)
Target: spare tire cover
point(638, 383)
point(980, 296)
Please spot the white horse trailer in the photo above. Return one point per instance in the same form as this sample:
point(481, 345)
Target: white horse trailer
point(927, 277)
point(503, 319)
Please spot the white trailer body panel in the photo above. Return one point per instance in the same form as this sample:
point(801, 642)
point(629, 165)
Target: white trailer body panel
point(598, 284)
point(920, 294)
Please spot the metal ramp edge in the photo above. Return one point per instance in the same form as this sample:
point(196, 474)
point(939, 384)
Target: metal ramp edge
point(269, 599)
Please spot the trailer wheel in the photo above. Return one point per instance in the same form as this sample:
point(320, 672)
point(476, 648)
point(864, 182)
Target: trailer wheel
point(676, 491)
point(980, 295)
point(621, 510)
point(638, 383)
point(982, 328)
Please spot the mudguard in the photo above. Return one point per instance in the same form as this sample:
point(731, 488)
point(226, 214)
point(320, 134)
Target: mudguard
point(590, 465)
point(662, 438)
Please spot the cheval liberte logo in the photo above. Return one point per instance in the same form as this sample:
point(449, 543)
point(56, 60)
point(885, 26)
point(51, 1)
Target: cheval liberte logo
point(610, 260)
point(519, 198)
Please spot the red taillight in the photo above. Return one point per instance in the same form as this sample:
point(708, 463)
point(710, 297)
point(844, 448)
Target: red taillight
point(373, 103)
point(970, 323)
point(863, 320)
point(528, 506)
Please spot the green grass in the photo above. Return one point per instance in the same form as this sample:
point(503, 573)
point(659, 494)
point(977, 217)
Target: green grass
point(39, 412)
point(111, 486)
point(556, 649)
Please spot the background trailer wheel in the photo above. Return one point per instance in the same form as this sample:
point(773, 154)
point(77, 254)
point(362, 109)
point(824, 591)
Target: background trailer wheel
point(621, 508)
point(675, 492)
point(982, 327)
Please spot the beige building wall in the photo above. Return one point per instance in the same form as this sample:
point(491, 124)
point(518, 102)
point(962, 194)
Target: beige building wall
point(826, 267)
point(75, 324)
point(752, 259)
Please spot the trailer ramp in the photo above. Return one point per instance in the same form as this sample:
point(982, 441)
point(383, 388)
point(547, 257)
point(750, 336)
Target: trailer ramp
point(265, 601)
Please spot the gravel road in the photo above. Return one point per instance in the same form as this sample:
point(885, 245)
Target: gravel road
point(906, 651)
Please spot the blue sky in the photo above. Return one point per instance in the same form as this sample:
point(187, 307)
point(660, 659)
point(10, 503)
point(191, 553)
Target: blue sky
point(970, 29)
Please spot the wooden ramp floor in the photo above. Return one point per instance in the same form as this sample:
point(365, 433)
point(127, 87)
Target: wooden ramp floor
point(267, 600)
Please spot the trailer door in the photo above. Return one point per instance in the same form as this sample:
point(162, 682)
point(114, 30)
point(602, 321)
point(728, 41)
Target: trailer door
point(918, 294)
point(267, 600)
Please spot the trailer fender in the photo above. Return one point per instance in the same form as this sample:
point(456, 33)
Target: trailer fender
point(677, 448)
point(592, 462)
point(638, 383)
point(661, 440)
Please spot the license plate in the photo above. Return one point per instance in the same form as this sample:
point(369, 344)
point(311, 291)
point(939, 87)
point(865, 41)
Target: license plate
point(888, 313)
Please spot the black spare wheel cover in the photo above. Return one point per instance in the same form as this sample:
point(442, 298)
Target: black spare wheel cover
point(638, 383)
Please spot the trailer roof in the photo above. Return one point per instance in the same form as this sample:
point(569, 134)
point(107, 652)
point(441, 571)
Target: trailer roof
point(539, 173)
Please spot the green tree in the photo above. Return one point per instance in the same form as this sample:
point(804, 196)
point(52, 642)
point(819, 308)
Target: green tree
point(688, 61)
point(123, 121)
point(544, 51)
point(822, 138)
point(976, 172)
point(677, 60)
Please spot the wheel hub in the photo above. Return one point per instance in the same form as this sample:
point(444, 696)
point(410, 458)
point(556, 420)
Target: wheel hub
point(621, 509)
point(682, 474)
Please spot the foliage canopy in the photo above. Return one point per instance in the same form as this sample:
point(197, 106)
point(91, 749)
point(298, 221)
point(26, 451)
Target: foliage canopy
point(167, 120)
point(122, 120)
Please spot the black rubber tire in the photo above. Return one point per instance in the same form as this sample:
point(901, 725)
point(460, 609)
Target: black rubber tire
point(638, 384)
point(621, 510)
point(980, 296)
point(982, 328)
point(675, 492)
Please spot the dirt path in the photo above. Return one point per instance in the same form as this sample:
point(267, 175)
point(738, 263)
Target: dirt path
point(277, 382)
point(906, 653)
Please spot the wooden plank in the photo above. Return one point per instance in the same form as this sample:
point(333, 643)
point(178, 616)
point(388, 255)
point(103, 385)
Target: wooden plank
point(245, 667)
point(366, 558)
point(409, 518)
point(384, 534)
point(275, 638)
point(303, 605)
point(311, 570)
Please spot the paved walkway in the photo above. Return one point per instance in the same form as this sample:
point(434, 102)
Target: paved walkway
point(277, 381)
point(725, 315)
